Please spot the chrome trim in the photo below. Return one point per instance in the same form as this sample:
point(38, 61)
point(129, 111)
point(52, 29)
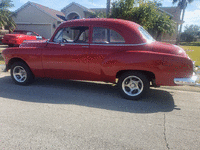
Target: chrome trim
point(100, 44)
point(3, 68)
point(62, 44)
point(187, 81)
point(197, 84)
point(120, 44)
point(52, 42)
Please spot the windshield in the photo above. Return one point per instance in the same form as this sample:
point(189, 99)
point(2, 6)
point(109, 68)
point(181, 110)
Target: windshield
point(146, 35)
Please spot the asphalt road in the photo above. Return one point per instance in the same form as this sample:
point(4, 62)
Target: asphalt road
point(57, 114)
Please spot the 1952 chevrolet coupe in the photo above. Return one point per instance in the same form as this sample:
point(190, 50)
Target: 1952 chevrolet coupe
point(109, 50)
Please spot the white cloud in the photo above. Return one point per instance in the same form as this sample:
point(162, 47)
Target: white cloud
point(23, 1)
point(96, 5)
point(191, 17)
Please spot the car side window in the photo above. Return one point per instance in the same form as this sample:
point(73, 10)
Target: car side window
point(72, 35)
point(58, 37)
point(106, 36)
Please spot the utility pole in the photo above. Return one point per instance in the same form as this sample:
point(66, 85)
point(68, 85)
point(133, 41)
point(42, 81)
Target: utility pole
point(108, 9)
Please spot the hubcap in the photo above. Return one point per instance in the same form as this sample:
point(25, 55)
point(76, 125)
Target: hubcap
point(19, 73)
point(132, 85)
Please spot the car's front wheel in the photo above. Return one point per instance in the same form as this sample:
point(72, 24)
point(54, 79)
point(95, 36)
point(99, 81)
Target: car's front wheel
point(133, 85)
point(21, 74)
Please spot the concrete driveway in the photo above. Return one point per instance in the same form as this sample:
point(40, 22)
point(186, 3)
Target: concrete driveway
point(57, 114)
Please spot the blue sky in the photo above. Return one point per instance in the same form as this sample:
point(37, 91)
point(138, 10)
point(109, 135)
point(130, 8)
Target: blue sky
point(192, 14)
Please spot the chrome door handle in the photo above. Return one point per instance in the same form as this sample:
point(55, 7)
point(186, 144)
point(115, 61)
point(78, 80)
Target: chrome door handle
point(85, 46)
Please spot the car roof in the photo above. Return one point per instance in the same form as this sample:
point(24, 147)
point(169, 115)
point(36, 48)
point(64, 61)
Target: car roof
point(128, 29)
point(95, 21)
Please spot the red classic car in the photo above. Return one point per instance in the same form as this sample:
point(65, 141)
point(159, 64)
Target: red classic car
point(110, 50)
point(18, 36)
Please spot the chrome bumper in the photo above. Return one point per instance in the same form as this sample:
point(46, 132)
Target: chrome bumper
point(188, 81)
point(3, 68)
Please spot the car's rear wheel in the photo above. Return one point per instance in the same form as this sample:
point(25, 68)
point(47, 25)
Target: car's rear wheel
point(21, 73)
point(133, 85)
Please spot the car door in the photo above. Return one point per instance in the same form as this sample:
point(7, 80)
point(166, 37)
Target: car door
point(65, 57)
point(105, 43)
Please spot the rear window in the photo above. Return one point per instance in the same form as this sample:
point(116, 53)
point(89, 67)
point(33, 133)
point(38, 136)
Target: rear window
point(146, 35)
point(105, 36)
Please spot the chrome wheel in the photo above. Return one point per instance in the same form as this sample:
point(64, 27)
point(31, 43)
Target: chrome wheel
point(19, 74)
point(132, 86)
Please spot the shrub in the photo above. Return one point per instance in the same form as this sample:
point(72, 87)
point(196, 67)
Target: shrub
point(190, 43)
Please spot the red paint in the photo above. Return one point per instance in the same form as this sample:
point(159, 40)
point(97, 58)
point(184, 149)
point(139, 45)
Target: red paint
point(18, 36)
point(102, 62)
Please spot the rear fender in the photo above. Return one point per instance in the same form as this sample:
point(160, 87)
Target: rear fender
point(132, 60)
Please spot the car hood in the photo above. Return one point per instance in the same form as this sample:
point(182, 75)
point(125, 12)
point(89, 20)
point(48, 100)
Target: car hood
point(34, 43)
point(13, 35)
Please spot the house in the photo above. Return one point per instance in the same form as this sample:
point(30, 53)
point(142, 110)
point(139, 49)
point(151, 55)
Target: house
point(175, 12)
point(76, 11)
point(38, 18)
point(44, 20)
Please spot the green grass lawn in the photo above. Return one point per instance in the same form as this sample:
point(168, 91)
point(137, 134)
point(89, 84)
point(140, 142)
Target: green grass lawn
point(194, 53)
point(1, 60)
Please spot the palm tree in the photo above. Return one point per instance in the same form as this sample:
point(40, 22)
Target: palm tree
point(6, 21)
point(108, 8)
point(182, 4)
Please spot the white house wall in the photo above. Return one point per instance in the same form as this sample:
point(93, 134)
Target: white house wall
point(41, 29)
point(74, 9)
point(32, 17)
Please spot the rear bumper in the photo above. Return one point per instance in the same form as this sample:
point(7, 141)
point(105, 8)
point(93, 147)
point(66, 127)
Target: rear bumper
point(3, 68)
point(188, 81)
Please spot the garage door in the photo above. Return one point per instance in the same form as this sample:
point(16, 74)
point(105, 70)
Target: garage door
point(41, 29)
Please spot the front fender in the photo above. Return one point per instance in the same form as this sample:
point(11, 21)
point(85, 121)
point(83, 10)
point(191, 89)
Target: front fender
point(31, 56)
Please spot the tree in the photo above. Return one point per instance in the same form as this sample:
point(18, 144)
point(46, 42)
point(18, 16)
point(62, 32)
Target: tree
point(147, 15)
point(190, 34)
point(121, 8)
point(157, 3)
point(182, 4)
point(98, 14)
point(6, 21)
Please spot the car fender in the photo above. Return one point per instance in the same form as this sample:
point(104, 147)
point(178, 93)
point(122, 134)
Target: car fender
point(132, 60)
point(30, 55)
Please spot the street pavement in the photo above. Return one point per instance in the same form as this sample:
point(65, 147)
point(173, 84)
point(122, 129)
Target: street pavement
point(57, 114)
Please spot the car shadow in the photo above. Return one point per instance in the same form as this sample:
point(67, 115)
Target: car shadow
point(90, 94)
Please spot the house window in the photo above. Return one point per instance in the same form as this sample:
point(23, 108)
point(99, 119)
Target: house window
point(105, 36)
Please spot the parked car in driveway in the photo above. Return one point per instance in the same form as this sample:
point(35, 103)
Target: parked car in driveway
point(110, 50)
point(18, 36)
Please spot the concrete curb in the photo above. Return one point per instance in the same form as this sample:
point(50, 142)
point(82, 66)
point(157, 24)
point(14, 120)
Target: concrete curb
point(182, 88)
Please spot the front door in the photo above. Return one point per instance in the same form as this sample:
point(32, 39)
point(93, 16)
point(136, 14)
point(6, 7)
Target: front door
point(66, 56)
